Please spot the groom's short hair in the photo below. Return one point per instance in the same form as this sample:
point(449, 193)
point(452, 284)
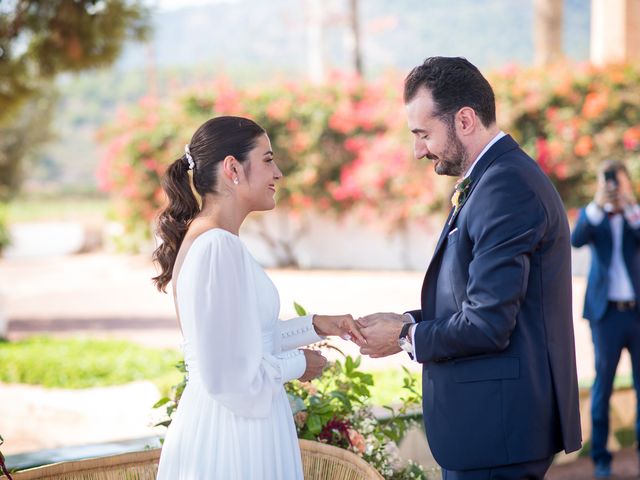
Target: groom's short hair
point(454, 83)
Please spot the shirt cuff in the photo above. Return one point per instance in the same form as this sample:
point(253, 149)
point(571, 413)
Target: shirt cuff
point(595, 214)
point(298, 332)
point(412, 332)
point(632, 214)
point(292, 364)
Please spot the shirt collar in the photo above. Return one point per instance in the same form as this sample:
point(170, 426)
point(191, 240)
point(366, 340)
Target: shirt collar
point(484, 150)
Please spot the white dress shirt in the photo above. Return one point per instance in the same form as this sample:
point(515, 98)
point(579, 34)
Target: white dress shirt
point(620, 286)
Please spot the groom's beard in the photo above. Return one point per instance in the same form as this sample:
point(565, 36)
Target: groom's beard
point(453, 161)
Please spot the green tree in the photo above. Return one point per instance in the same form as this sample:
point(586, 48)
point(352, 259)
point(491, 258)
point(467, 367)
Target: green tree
point(29, 128)
point(39, 40)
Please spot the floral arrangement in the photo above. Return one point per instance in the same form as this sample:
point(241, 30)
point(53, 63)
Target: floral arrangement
point(334, 409)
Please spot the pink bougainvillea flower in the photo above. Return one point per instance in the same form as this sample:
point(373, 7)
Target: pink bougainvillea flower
point(594, 104)
point(584, 146)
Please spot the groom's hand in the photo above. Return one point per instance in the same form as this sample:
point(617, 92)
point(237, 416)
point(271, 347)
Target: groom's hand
point(381, 331)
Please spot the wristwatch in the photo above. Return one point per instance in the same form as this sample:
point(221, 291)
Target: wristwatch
point(404, 340)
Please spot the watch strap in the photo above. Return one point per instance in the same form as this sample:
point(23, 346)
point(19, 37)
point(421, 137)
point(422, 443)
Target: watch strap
point(404, 333)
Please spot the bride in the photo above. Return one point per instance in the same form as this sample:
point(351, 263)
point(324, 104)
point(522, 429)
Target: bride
point(234, 420)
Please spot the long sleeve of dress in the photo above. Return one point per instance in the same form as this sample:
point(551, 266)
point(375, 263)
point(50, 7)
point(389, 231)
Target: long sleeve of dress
point(228, 330)
point(298, 332)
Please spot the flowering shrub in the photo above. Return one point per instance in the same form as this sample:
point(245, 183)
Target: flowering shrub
point(343, 146)
point(571, 117)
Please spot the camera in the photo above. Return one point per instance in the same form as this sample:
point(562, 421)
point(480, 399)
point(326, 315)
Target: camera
point(610, 176)
point(611, 181)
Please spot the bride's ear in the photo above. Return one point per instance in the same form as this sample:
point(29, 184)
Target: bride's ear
point(230, 168)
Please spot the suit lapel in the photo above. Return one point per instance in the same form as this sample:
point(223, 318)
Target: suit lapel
point(503, 145)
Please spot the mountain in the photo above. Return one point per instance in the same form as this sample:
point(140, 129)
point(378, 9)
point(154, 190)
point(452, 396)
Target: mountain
point(271, 35)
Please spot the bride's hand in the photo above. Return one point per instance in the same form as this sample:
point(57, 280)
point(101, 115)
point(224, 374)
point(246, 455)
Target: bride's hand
point(343, 326)
point(315, 365)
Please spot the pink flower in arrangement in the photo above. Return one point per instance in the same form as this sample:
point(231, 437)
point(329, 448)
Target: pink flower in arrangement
point(357, 440)
point(300, 418)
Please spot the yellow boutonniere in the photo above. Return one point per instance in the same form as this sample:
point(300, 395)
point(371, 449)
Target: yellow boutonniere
point(455, 199)
point(460, 195)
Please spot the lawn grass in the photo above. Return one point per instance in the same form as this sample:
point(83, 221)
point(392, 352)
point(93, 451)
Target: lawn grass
point(387, 386)
point(82, 363)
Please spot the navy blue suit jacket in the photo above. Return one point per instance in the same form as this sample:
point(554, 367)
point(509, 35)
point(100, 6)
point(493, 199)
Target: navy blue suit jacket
point(495, 331)
point(601, 243)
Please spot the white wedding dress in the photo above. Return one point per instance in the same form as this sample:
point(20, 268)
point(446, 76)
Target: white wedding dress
point(234, 420)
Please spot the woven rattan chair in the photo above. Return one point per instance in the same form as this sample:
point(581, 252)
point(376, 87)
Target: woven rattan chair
point(129, 466)
point(320, 462)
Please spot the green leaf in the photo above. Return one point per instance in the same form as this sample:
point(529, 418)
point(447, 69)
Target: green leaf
point(315, 424)
point(348, 365)
point(161, 402)
point(299, 309)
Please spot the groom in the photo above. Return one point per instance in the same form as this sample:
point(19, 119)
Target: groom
point(494, 333)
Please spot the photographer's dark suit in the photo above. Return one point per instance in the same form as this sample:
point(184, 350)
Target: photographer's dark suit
point(495, 331)
point(615, 325)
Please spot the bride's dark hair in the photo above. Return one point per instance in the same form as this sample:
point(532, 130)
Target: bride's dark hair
point(212, 142)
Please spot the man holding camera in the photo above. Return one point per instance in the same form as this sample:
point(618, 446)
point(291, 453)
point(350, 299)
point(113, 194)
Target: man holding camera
point(610, 225)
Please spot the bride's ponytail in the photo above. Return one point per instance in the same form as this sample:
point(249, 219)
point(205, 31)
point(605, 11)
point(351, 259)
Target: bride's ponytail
point(213, 141)
point(174, 219)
